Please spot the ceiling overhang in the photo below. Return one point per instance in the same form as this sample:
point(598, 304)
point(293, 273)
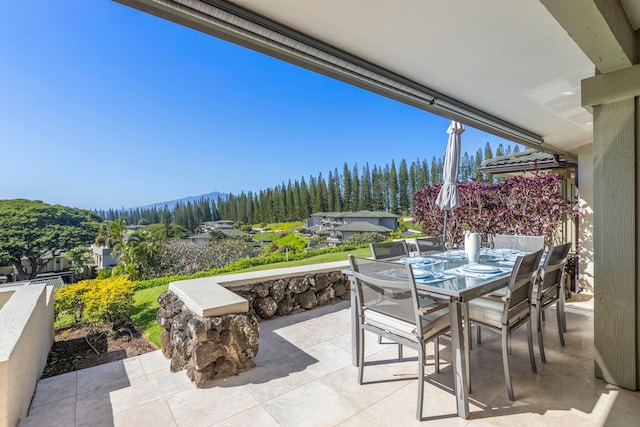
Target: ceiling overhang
point(513, 69)
point(235, 24)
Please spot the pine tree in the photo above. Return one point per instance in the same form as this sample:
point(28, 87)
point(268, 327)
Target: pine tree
point(435, 175)
point(346, 187)
point(413, 180)
point(393, 188)
point(478, 165)
point(331, 198)
point(365, 188)
point(488, 154)
point(377, 189)
point(403, 187)
point(355, 189)
point(464, 168)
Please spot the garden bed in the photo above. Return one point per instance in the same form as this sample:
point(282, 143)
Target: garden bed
point(71, 351)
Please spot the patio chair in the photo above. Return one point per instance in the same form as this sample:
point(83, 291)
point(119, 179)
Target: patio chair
point(506, 314)
point(389, 250)
point(430, 245)
point(400, 319)
point(550, 290)
point(521, 243)
point(518, 242)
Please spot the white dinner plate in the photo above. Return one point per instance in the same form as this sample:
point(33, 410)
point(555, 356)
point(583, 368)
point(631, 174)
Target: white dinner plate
point(417, 274)
point(415, 260)
point(480, 268)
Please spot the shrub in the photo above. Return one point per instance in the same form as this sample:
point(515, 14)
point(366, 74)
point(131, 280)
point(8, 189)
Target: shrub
point(365, 238)
point(70, 299)
point(109, 301)
point(97, 302)
point(522, 204)
point(105, 273)
point(183, 257)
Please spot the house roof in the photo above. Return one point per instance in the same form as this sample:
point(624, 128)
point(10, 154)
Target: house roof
point(525, 160)
point(362, 227)
point(329, 214)
point(200, 236)
point(370, 214)
point(233, 233)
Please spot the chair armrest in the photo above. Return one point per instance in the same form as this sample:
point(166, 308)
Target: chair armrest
point(431, 308)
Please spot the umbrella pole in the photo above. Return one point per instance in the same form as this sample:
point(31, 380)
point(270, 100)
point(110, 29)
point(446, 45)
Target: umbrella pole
point(444, 232)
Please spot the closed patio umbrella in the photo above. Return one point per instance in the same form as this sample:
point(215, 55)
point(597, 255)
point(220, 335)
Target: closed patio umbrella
point(448, 196)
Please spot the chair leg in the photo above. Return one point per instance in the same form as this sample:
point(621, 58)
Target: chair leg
point(379, 339)
point(561, 323)
point(539, 328)
point(505, 363)
point(436, 354)
point(421, 362)
point(532, 357)
point(400, 352)
point(360, 354)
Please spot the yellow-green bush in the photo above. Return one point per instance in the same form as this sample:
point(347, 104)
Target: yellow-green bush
point(97, 301)
point(70, 299)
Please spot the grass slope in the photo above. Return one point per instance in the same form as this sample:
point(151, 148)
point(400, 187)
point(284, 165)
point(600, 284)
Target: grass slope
point(146, 300)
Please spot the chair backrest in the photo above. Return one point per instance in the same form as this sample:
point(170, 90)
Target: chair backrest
point(387, 288)
point(429, 245)
point(552, 269)
point(523, 277)
point(389, 250)
point(518, 242)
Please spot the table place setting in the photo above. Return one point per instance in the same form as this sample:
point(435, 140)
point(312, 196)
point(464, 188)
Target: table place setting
point(480, 271)
point(416, 260)
point(455, 254)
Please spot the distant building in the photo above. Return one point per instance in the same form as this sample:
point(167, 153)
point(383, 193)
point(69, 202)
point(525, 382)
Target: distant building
point(222, 224)
point(56, 265)
point(202, 238)
point(103, 256)
point(339, 226)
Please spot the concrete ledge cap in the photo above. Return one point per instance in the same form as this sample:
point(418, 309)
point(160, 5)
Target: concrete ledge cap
point(15, 315)
point(207, 298)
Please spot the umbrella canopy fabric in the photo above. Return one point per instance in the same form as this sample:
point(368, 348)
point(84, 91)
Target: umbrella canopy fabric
point(448, 196)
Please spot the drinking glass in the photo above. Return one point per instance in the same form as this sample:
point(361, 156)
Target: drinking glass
point(437, 267)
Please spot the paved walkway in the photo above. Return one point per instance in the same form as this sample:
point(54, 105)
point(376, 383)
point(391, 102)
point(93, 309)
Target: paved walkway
point(304, 377)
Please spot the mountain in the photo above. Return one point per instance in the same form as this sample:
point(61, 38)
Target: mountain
point(171, 203)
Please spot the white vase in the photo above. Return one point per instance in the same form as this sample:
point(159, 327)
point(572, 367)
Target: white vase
point(472, 246)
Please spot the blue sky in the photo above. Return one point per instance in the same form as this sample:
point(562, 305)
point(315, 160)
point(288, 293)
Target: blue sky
point(105, 106)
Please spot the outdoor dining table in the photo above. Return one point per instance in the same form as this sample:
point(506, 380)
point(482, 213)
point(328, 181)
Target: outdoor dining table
point(459, 287)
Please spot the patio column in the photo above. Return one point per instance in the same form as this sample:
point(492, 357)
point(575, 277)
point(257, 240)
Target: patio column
point(614, 99)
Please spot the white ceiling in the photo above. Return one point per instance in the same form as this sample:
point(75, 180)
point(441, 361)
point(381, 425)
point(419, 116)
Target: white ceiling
point(509, 58)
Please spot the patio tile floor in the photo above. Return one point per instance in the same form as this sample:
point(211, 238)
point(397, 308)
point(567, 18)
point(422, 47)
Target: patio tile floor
point(304, 377)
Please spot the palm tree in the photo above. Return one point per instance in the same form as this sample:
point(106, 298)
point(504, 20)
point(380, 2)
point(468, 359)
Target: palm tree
point(111, 233)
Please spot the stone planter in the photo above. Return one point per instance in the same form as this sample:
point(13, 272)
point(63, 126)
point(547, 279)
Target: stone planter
point(207, 347)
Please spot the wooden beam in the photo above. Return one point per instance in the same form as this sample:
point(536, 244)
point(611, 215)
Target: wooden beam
point(601, 28)
point(611, 87)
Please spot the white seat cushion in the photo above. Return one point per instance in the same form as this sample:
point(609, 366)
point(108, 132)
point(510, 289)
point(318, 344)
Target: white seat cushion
point(434, 323)
point(489, 312)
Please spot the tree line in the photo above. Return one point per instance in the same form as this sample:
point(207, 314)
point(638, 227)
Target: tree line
point(352, 188)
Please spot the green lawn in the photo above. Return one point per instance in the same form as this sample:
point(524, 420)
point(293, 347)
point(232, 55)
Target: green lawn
point(146, 300)
point(145, 307)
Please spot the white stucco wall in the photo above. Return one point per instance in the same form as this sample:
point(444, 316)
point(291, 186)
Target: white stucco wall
point(25, 339)
point(4, 297)
point(585, 187)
